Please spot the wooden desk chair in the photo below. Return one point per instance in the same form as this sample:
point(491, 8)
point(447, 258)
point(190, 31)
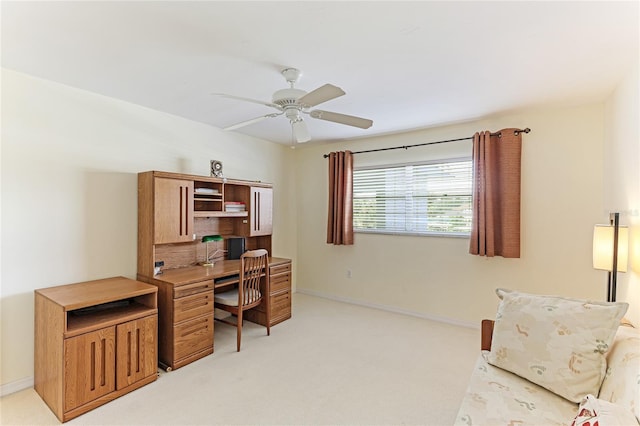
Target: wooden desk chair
point(254, 266)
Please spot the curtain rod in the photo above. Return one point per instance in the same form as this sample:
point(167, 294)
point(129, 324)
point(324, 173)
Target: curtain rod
point(517, 131)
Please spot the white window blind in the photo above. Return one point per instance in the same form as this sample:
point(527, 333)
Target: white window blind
point(424, 199)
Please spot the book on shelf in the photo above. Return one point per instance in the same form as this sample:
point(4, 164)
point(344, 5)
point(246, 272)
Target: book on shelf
point(207, 191)
point(234, 206)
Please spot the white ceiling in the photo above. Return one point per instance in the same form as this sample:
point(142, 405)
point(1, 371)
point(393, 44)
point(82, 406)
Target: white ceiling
point(405, 65)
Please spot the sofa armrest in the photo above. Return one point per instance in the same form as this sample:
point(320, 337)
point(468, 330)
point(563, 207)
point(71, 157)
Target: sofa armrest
point(486, 334)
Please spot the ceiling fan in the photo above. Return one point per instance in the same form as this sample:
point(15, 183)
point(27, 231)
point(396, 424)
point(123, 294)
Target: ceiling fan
point(293, 103)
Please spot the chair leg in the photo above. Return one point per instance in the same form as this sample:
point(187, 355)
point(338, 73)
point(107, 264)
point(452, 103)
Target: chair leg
point(239, 329)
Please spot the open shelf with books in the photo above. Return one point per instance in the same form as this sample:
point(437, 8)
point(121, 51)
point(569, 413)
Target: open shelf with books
point(207, 196)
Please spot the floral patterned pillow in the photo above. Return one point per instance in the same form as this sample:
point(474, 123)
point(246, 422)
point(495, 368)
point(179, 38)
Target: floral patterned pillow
point(556, 342)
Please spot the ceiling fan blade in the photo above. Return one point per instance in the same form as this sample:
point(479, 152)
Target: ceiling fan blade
point(335, 117)
point(255, 101)
point(300, 131)
point(253, 120)
point(321, 94)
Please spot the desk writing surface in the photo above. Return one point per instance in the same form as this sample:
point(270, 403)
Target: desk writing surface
point(193, 274)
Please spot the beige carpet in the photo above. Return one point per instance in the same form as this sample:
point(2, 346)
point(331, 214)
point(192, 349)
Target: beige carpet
point(332, 363)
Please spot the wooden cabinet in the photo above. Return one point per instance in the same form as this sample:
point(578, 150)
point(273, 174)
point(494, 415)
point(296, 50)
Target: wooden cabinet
point(94, 341)
point(186, 322)
point(279, 296)
point(173, 210)
point(172, 207)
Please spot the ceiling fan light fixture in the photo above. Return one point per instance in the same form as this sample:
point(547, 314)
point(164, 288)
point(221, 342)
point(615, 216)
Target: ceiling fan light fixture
point(293, 114)
point(300, 130)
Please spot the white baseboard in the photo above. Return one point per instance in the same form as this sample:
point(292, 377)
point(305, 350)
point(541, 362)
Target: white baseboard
point(388, 308)
point(18, 385)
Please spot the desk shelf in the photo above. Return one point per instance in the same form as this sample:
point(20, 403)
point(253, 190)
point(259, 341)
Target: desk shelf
point(212, 213)
point(84, 323)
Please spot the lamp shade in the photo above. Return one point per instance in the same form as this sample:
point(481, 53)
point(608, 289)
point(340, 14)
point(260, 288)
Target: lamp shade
point(603, 247)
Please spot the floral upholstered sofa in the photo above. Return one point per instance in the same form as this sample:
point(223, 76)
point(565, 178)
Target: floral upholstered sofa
point(555, 361)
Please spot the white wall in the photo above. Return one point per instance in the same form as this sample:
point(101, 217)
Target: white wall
point(70, 160)
point(622, 178)
point(435, 277)
point(69, 165)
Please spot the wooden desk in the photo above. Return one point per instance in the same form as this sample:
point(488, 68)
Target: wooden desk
point(185, 307)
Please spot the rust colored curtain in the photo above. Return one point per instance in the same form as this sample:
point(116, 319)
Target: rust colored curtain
point(495, 227)
point(340, 217)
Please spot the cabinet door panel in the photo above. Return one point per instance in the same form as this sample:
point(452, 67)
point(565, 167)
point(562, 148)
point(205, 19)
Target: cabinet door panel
point(173, 211)
point(136, 349)
point(261, 211)
point(89, 368)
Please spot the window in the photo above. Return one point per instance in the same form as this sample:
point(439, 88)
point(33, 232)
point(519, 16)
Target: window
point(432, 198)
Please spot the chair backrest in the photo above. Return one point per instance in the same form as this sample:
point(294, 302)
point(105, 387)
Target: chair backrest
point(254, 265)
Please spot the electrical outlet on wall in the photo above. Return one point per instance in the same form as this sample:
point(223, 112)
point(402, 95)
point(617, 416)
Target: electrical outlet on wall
point(348, 273)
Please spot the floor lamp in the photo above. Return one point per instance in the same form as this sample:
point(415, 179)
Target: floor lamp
point(610, 243)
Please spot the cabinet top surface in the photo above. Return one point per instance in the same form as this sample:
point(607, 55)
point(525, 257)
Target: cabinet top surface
point(172, 175)
point(89, 293)
point(221, 268)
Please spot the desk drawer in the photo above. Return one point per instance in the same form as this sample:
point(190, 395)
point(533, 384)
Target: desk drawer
point(192, 306)
point(281, 305)
point(279, 302)
point(280, 282)
point(193, 336)
point(279, 268)
point(189, 289)
point(280, 310)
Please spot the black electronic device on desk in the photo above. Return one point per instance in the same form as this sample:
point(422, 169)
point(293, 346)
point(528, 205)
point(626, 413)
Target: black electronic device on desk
point(235, 247)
